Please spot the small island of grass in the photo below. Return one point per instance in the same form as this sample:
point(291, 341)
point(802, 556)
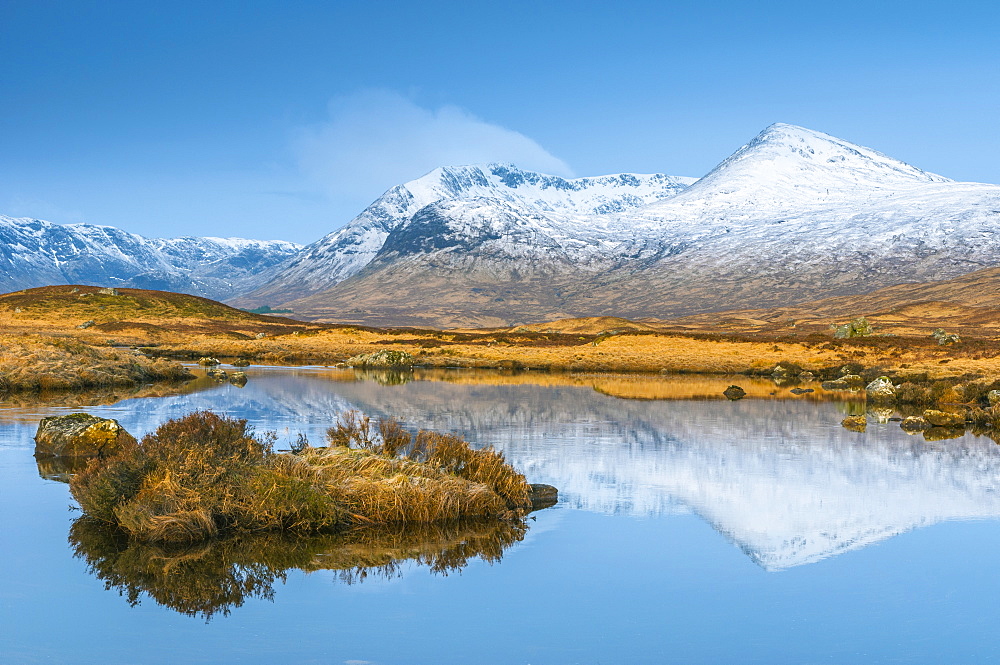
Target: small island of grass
point(205, 475)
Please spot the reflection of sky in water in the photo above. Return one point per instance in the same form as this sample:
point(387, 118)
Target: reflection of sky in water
point(629, 568)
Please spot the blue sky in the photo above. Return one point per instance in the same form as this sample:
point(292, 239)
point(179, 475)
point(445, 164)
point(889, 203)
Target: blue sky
point(282, 120)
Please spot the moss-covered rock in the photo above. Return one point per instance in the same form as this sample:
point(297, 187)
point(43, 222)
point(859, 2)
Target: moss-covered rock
point(881, 390)
point(734, 393)
point(381, 358)
point(219, 375)
point(238, 379)
point(208, 361)
point(944, 418)
point(80, 435)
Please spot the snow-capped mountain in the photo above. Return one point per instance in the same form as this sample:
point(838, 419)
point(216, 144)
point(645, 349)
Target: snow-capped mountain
point(345, 252)
point(38, 253)
point(792, 216)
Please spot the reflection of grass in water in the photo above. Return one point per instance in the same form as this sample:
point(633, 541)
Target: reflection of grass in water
point(21, 407)
point(216, 576)
point(386, 377)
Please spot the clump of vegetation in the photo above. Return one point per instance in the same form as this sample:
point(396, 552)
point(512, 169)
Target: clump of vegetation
point(199, 475)
point(205, 474)
point(35, 363)
point(859, 327)
point(383, 474)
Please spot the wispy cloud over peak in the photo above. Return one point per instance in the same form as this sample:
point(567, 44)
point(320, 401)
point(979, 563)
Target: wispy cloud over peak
point(375, 139)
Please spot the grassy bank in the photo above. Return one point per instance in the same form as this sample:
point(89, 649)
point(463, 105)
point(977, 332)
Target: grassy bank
point(183, 327)
point(39, 363)
point(634, 351)
point(205, 475)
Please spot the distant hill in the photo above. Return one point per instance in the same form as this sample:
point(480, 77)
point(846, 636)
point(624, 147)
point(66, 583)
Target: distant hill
point(39, 253)
point(79, 307)
point(969, 304)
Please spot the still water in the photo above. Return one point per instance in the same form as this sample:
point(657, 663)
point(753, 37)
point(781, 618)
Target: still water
point(690, 529)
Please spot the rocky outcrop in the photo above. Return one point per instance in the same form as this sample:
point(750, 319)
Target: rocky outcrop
point(381, 358)
point(944, 418)
point(80, 435)
point(881, 390)
point(219, 375)
point(846, 382)
point(542, 496)
point(859, 327)
point(945, 339)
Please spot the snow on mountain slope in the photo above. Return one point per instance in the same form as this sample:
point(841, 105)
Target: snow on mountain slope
point(794, 215)
point(345, 252)
point(39, 253)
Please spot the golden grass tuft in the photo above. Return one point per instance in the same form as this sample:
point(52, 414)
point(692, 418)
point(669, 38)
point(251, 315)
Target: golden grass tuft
point(204, 475)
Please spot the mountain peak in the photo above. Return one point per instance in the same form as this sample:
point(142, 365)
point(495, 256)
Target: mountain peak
point(787, 165)
point(791, 150)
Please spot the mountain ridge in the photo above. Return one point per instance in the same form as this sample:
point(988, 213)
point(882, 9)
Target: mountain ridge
point(39, 253)
point(794, 215)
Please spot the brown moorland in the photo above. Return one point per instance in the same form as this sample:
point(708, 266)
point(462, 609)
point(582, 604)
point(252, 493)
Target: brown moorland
point(179, 326)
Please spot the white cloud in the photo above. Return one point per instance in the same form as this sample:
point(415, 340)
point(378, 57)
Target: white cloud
point(376, 139)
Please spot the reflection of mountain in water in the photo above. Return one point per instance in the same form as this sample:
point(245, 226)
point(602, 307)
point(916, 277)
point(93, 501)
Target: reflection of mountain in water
point(781, 479)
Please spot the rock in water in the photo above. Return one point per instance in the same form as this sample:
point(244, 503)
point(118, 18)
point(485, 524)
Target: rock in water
point(944, 419)
point(734, 393)
point(881, 390)
point(80, 435)
point(238, 379)
point(219, 375)
point(241, 362)
point(542, 496)
point(836, 384)
point(208, 361)
point(855, 423)
point(853, 381)
point(914, 424)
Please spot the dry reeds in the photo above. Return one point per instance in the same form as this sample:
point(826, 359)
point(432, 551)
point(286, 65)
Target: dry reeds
point(36, 363)
point(204, 475)
point(385, 474)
